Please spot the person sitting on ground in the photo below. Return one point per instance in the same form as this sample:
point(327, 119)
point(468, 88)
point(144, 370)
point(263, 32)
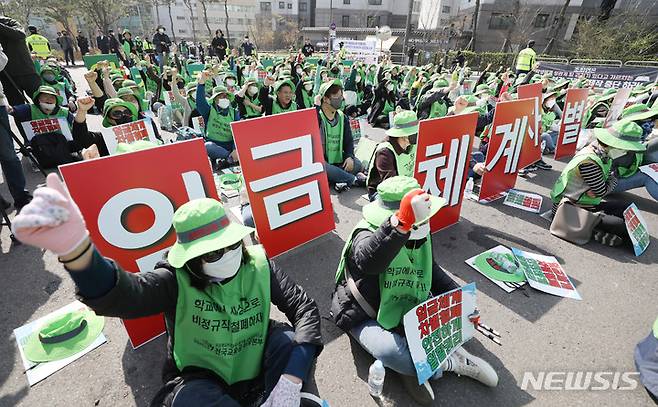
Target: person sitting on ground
point(387, 239)
point(383, 103)
point(263, 362)
point(282, 100)
point(248, 101)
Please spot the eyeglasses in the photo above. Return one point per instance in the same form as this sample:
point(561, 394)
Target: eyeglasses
point(117, 114)
point(218, 254)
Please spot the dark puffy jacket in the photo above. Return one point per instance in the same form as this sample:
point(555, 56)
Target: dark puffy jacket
point(12, 38)
point(370, 255)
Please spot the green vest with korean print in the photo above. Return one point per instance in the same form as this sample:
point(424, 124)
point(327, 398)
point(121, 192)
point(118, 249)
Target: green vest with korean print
point(333, 137)
point(224, 327)
point(405, 284)
point(219, 125)
point(571, 185)
point(404, 162)
point(277, 108)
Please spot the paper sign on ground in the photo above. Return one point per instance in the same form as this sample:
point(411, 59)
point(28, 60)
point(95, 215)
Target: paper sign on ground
point(638, 229)
point(44, 126)
point(128, 202)
point(572, 117)
point(511, 124)
point(617, 106)
point(365, 151)
point(435, 328)
point(36, 372)
point(442, 156)
point(484, 264)
point(544, 273)
point(355, 126)
point(651, 170)
point(531, 148)
point(128, 133)
point(523, 200)
point(282, 162)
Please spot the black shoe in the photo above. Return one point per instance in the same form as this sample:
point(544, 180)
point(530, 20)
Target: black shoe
point(543, 165)
point(607, 238)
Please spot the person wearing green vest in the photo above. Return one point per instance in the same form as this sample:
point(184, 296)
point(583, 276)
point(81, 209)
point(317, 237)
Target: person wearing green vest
point(248, 101)
point(282, 100)
point(343, 170)
point(49, 78)
point(215, 292)
point(371, 298)
point(589, 177)
point(630, 177)
point(550, 122)
point(218, 118)
point(397, 154)
point(526, 58)
point(435, 102)
point(646, 362)
point(304, 92)
point(37, 43)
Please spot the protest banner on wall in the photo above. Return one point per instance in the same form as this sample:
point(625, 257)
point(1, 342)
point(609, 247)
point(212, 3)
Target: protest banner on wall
point(637, 228)
point(602, 76)
point(531, 149)
point(435, 328)
point(129, 213)
point(128, 133)
point(617, 106)
point(282, 162)
point(544, 273)
point(511, 129)
point(358, 50)
point(442, 156)
point(574, 108)
point(45, 126)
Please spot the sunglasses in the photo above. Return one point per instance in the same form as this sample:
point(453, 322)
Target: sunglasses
point(117, 114)
point(215, 255)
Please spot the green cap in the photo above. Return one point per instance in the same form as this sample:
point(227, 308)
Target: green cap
point(217, 90)
point(638, 112)
point(325, 86)
point(202, 226)
point(48, 90)
point(63, 336)
point(624, 134)
point(281, 83)
point(389, 196)
point(114, 102)
point(405, 123)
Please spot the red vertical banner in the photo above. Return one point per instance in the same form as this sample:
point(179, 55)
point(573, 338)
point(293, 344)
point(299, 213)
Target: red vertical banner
point(442, 156)
point(531, 148)
point(510, 127)
point(282, 162)
point(128, 202)
point(572, 117)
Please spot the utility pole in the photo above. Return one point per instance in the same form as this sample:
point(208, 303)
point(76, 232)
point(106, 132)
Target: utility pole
point(407, 30)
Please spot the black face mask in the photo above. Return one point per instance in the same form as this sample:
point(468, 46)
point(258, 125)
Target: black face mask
point(413, 139)
point(123, 119)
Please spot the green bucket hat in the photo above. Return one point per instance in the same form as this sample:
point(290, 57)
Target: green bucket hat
point(440, 83)
point(114, 102)
point(281, 83)
point(490, 268)
point(624, 134)
point(125, 92)
point(48, 90)
point(405, 123)
point(483, 89)
point(230, 181)
point(202, 226)
point(325, 86)
point(129, 83)
point(217, 90)
point(638, 111)
point(641, 89)
point(390, 193)
point(63, 336)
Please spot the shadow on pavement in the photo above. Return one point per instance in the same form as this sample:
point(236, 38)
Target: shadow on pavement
point(142, 369)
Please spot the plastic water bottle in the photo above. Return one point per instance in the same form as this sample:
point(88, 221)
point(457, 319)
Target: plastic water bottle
point(376, 378)
point(504, 263)
point(468, 189)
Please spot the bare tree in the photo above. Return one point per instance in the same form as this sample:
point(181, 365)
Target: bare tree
point(188, 4)
point(156, 4)
point(171, 19)
point(103, 14)
point(20, 10)
point(228, 35)
point(205, 14)
point(60, 11)
point(476, 16)
point(556, 27)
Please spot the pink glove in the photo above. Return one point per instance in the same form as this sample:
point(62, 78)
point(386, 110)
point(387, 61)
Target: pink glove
point(52, 220)
point(284, 394)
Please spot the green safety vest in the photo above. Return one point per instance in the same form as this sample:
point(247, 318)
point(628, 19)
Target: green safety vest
point(547, 120)
point(625, 172)
point(438, 109)
point(388, 108)
point(404, 162)
point(405, 284)
point(525, 59)
point(276, 107)
point(125, 46)
point(37, 114)
point(250, 111)
point(39, 44)
point(308, 99)
point(218, 127)
point(224, 327)
point(333, 138)
point(146, 45)
point(571, 185)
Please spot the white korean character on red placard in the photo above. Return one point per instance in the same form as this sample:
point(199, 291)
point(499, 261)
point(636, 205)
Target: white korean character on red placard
point(511, 145)
point(307, 168)
point(452, 172)
point(573, 115)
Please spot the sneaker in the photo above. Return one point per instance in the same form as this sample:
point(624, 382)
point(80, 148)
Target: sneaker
point(463, 363)
point(341, 187)
point(607, 238)
point(422, 394)
point(543, 165)
point(360, 180)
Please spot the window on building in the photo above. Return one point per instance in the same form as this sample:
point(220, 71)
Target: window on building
point(375, 2)
point(445, 9)
point(265, 6)
point(302, 6)
point(416, 7)
point(346, 1)
point(289, 6)
point(240, 21)
point(500, 21)
point(182, 31)
point(346, 21)
point(373, 21)
point(180, 18)
point(282, 4)
point(541, 21)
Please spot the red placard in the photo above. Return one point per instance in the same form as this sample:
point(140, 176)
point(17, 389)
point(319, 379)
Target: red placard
point(531, 148)
point(509, 129)
point(572, 116)
point(128, 202)
point(282, 163)
point(442, 156)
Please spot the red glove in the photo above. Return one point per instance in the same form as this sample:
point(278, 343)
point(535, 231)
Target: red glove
point(415, 205)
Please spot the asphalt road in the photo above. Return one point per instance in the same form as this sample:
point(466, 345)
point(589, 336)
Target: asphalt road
point(540, 332)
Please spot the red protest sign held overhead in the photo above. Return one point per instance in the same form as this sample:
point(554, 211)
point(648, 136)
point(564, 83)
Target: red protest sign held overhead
point(572, 116)
point(442, 156)
point(282, 163)
point(510, 127)
point(128, 202)
point(531, 148)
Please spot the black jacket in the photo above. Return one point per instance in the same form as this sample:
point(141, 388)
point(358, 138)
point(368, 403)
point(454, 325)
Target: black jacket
point(370, 255)
point(148, 293)
point(83, 44)
point(103, 44)
point(348, 139)
point(13, 43)
point(161, 42)
point(379, 101)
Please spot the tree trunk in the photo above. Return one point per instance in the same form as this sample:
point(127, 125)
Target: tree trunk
point(205, 18)
point(555, 29)
point(228, 35)
point(157, 12)
point(188, 4)
point(476, 15)
point(171, 22)
point(407, 30)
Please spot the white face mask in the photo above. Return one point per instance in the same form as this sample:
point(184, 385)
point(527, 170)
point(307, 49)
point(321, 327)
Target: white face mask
point(550, 103)
point(47, 107)
point(161, 30)
point(300, 71)
point(390, 87)
point(230, 82)
point(223, 103)
point(226, 267)
point(308, 86)
point(252, 90)
point(616, 153)
point(421, 232)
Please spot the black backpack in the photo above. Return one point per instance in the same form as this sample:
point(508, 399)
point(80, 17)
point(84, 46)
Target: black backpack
point(52, 149)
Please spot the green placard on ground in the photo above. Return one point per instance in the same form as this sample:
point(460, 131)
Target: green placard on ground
point(91, 60)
